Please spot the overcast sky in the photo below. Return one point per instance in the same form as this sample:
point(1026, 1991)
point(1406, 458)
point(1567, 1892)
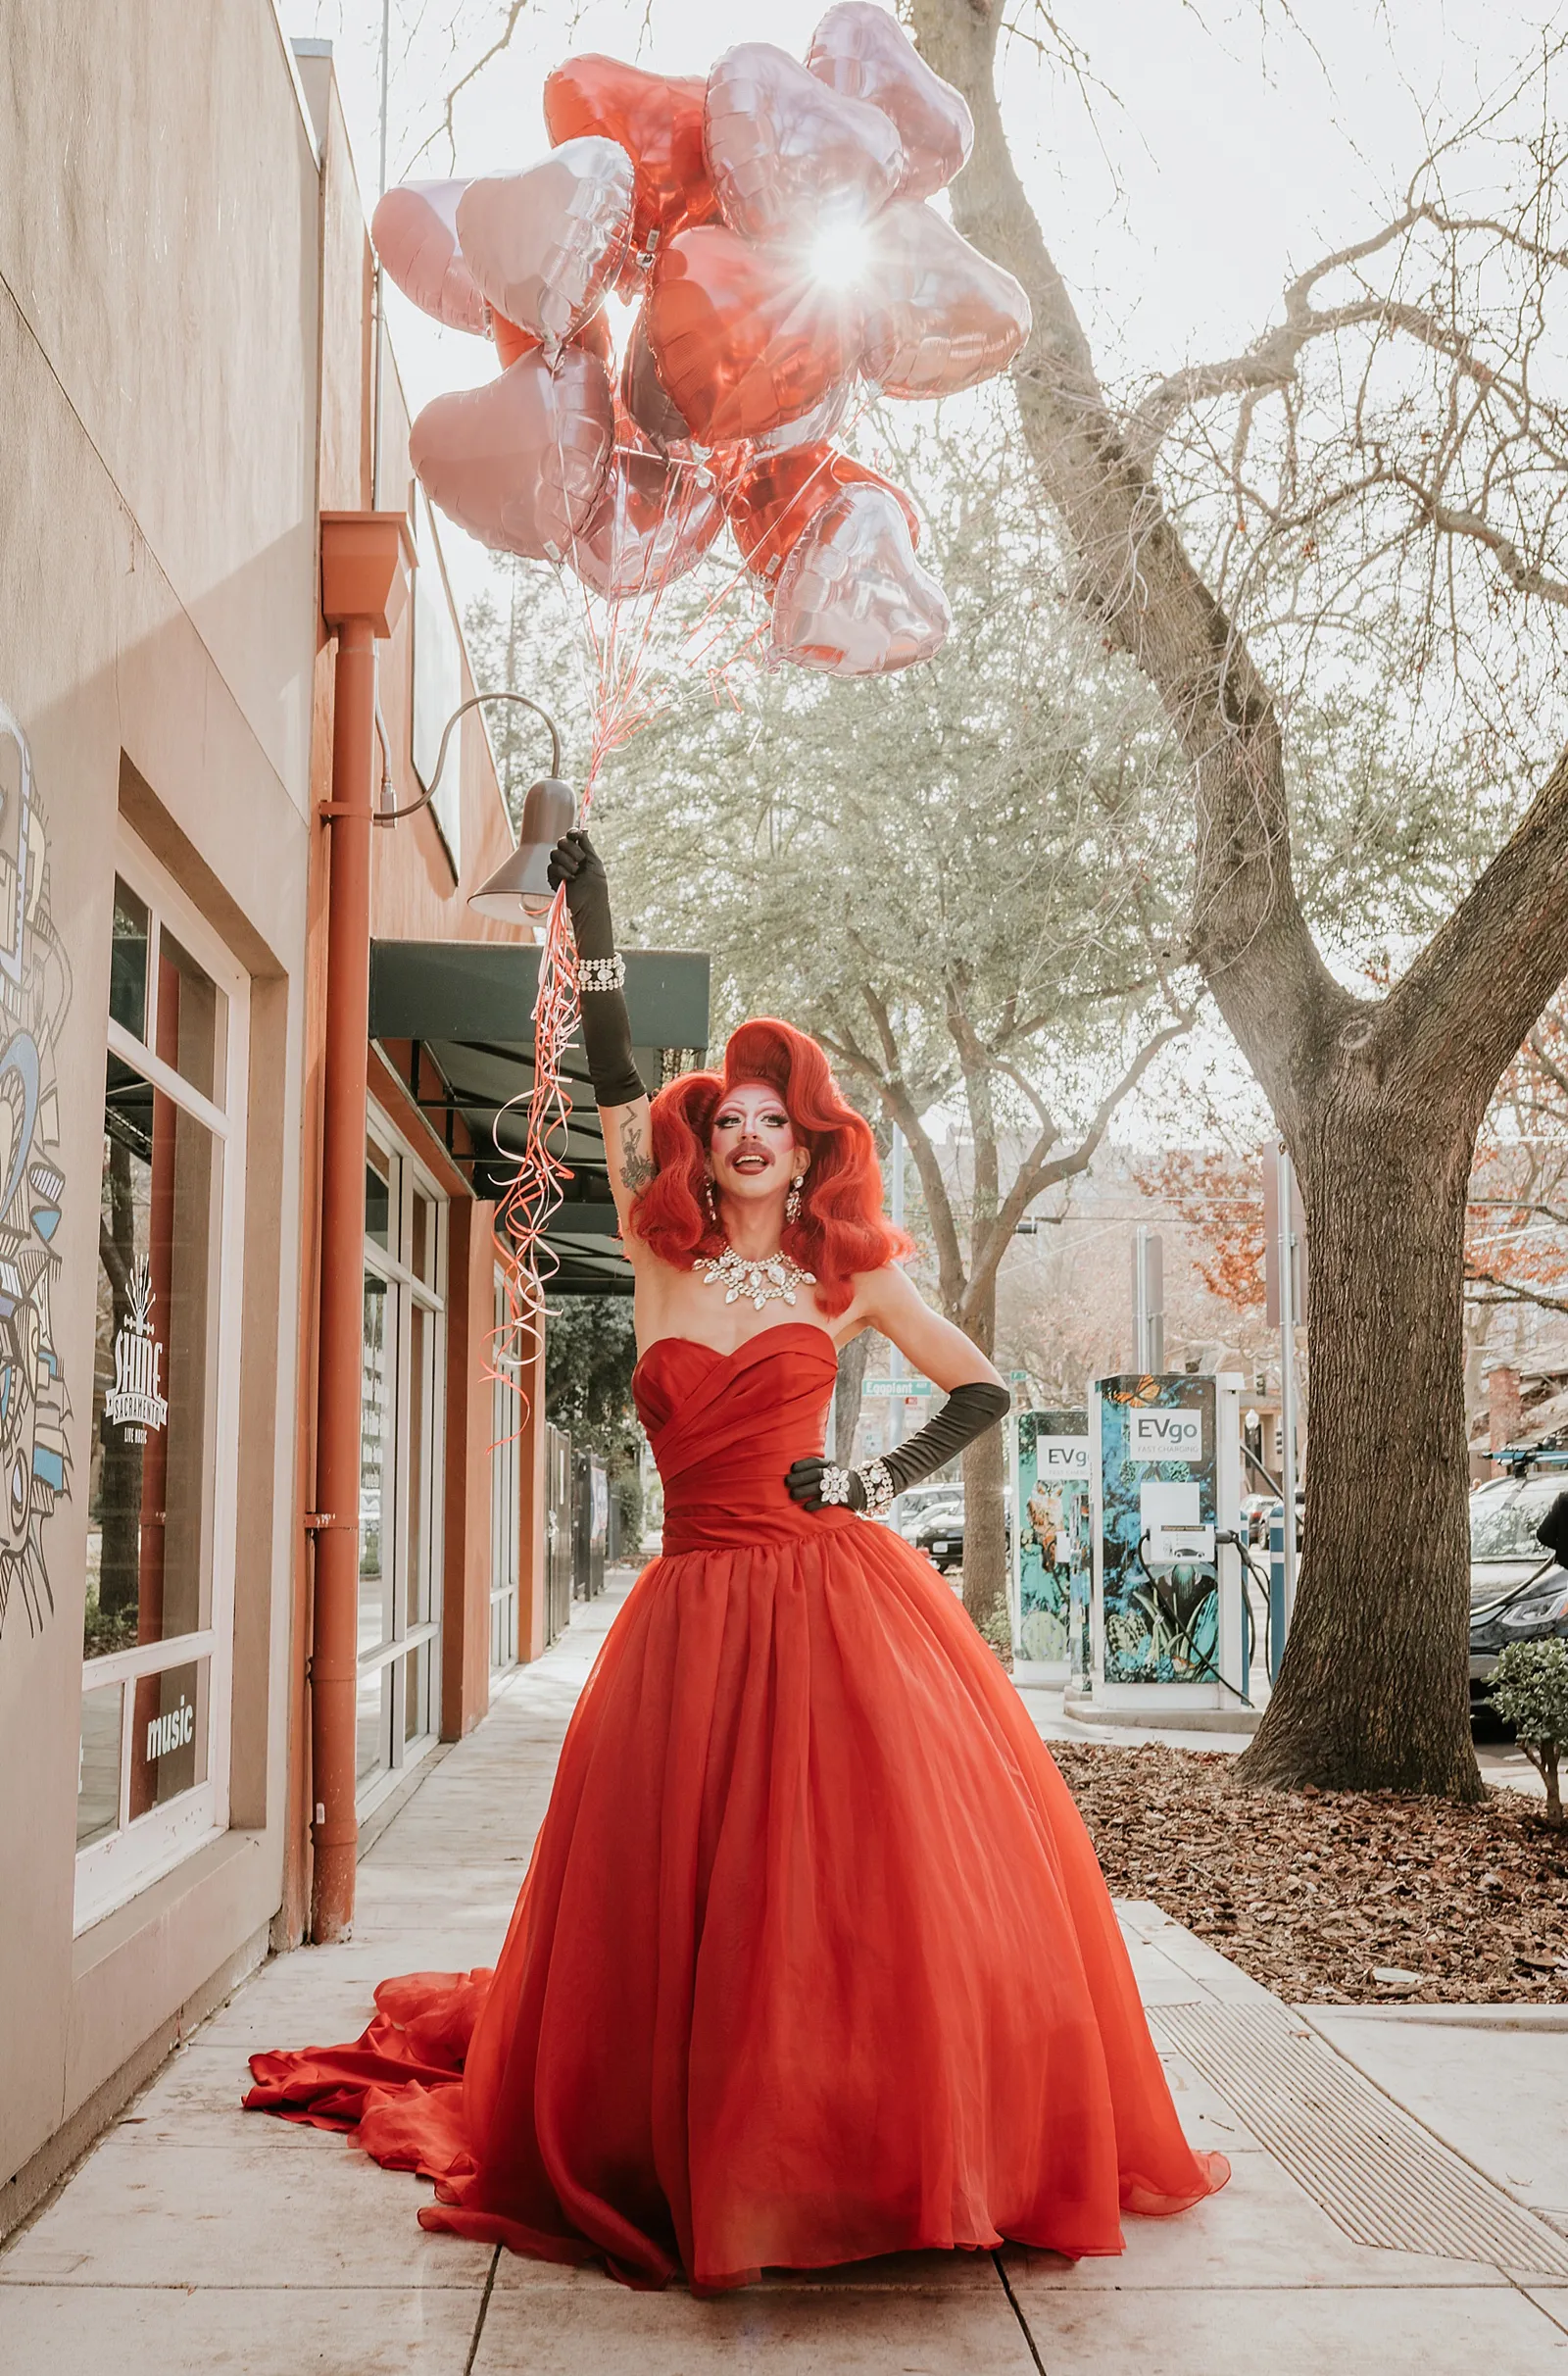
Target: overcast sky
point(1218, 146)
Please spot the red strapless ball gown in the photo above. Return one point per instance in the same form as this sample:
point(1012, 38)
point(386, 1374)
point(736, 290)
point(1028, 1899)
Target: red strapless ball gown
point(814, 1960)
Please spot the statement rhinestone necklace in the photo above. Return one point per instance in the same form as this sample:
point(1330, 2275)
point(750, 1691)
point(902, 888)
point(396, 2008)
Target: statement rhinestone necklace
point(772, 1280)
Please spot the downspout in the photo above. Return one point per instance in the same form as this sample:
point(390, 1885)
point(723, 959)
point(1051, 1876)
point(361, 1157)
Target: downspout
point(365, 557)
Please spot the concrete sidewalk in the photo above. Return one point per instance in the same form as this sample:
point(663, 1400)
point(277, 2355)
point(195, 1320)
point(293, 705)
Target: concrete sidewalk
point(1400, 2200)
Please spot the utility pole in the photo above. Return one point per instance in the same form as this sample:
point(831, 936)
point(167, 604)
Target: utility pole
point(1149, 1302)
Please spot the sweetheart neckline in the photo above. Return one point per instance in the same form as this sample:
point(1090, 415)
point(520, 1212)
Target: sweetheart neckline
point(778, 1328)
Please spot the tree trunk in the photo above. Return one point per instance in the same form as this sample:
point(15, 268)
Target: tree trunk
point(853, 1359)
point(1374, 1689)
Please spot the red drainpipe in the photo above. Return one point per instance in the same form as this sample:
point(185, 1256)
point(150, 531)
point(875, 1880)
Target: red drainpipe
point(366, 557)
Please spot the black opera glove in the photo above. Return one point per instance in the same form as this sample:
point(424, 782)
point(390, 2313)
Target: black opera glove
point(606, 1023)
point(806, 1479)
point(965, 1414)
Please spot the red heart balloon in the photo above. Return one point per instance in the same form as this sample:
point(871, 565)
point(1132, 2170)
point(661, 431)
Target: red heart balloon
point(742, 338)
point(851, 599)
point(592, 335)
point(863, 53)
point(939, 315)
point(788, 157)
point(652, 522)
point(519, 462)
point(656, 119)
point(771, 503)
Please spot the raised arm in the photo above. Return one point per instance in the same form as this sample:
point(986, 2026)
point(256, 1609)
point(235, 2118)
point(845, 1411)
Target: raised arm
point(618, 1091)
point(976, 1400)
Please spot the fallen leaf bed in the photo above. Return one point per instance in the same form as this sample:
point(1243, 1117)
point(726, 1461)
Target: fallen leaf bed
point(1315, 1893)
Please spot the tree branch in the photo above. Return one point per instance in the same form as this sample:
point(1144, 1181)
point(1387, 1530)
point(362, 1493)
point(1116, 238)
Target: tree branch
point(1249, 935)
point(1464, 1006)
point(446, 128)
point(1039, 1172)
point(891, 1089)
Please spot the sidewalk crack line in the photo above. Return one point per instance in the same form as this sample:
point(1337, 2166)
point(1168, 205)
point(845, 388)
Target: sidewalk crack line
point(484, 2304)
point(1023, 2323)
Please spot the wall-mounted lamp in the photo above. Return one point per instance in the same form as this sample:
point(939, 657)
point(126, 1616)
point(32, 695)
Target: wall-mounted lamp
point(519, 891)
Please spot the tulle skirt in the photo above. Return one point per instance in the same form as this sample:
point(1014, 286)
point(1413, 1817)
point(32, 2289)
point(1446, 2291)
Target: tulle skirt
point(814, 1960)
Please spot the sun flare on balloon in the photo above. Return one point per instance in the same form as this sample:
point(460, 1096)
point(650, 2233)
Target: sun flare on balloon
point(840, 258)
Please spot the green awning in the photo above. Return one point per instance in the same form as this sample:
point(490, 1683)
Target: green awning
point(468, 1007)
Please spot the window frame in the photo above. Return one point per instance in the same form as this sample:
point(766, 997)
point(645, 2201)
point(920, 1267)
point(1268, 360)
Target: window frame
point(506, 1492)
point(111, 1871)
point(408, 1177)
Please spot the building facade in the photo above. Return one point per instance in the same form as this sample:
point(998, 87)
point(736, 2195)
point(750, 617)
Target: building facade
point(203, 434)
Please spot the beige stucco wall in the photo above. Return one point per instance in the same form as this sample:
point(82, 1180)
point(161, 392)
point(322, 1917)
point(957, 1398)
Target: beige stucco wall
point(157, 588)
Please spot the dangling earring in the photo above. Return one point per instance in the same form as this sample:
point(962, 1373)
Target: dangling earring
point(792, 1203)
point(707, 1200)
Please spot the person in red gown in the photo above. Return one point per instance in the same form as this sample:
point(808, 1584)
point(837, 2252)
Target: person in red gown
point(814, 1960)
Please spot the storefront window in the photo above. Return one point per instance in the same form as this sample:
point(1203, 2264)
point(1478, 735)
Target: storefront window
point(155, 1635)
point(401, 1413)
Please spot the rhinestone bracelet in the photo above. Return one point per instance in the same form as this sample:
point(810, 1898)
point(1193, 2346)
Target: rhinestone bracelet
point(601, 972)
point(878, 1487)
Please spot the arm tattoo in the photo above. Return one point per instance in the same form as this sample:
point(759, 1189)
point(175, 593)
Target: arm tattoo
point(637, 1168)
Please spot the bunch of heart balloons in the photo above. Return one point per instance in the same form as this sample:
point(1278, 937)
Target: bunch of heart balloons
point(770, 226)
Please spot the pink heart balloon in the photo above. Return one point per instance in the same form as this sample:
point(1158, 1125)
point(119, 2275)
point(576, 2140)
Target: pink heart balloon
point(851, 599)
point(653, 521)
point(863, 53)
point(939, 315)
point(545, 245)
point(414, 231)
point(519, 462)
point(788, 157)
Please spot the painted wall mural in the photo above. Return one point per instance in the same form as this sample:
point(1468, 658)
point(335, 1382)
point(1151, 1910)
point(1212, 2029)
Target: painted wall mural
point(34, 998)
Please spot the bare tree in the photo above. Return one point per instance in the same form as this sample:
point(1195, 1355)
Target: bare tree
point(1410, 496)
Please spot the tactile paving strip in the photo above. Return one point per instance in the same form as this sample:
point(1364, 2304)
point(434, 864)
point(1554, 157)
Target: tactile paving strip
point(1379, 2176)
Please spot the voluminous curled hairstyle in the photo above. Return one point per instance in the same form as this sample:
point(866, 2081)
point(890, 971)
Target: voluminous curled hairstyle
point(841, 1228)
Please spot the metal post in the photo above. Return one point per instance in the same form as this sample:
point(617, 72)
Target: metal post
point(1149, 1302)
point(1285, 1202)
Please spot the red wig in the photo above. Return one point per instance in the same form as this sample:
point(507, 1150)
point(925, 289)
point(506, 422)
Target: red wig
point(841, 1228)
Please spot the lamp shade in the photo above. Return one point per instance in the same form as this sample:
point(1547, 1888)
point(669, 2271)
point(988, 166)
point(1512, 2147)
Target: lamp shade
point(519, 888)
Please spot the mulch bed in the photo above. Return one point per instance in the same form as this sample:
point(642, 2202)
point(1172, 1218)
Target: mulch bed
point(1312, 1893)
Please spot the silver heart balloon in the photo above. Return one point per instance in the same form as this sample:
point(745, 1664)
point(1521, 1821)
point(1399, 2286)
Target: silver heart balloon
point(545, 245)
point(653, 521)
point(519, 462)
point(864, 53)
point(851, 599)
point(789, 158)
point(938, 315)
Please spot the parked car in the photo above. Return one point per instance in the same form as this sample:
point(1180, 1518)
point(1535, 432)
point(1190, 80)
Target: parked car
point(1518, 1579)
point(1256, 1508)
point(941, 1537)
point(915, 1503)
